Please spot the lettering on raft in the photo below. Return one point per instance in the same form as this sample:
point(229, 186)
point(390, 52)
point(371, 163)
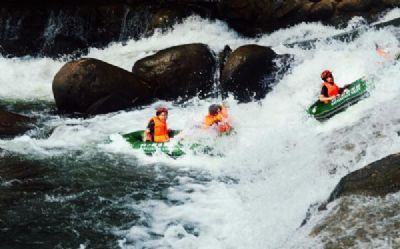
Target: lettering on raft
point(350, 91)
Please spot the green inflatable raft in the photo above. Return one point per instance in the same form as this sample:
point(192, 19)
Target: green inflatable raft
point(149, 148)
point(356, 91)
point(172, 149)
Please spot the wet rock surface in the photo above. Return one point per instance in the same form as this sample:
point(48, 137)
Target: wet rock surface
point(360, 222)
point(376, 179)
point(364, 212)
point(92, 86)
point(12, 124)
point(178, 72)
point(70, 27)
point(246, 73)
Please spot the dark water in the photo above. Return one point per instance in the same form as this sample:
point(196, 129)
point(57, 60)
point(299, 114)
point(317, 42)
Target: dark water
point(78, 197)
point(28, 107)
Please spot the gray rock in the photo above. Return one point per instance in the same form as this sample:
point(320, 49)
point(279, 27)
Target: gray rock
point(376, 179)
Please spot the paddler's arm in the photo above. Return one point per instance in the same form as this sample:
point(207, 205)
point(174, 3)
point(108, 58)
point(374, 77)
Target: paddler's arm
point(343, 89)
point(172, 133)
point(324, 99)
point(147, 136)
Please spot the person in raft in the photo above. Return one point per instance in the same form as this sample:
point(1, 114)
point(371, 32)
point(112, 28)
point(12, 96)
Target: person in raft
point(217, 118)
point(329, 89)
point(385, 54)
point(157, 129)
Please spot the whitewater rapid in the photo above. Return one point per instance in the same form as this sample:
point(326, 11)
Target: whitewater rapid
point(280, 162)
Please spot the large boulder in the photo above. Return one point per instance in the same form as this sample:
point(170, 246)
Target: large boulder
point(365, 211)
point(178, 72)
point(92, 86)
point(12, 124)
point(245, 72)
point(376, 179)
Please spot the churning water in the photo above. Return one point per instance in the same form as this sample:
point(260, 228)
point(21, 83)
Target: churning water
point(101, 194)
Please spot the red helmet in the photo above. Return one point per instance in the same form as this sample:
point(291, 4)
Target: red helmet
point(161, 110)
point(325, 74)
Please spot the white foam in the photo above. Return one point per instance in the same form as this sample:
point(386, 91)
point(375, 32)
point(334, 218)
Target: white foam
point(27, 78)
point(280, 162)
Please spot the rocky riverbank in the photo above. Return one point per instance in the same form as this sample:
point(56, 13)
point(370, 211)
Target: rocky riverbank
point(57, 28)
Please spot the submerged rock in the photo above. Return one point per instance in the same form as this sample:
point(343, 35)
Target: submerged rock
point(12, 124)
point(178, 72)
point(19, 176)
point(92, 86)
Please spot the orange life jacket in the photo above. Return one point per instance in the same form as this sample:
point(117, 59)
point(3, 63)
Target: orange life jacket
point(218, 120)
point(212, 119)
point(333, 89)
point(160, 130)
